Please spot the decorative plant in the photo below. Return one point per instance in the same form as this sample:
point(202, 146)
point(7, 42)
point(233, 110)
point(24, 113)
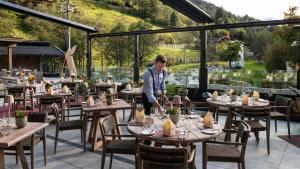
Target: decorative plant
point(20, 114)
point(172, 111)
point(31, 78)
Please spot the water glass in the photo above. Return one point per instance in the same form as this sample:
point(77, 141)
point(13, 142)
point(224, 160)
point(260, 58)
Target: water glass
point(148, 122)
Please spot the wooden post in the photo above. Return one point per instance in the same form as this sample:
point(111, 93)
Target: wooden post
point(136, 60)
point(10, 55)
point(203, 69)
point(89, 57)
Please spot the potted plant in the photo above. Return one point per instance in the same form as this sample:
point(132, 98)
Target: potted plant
point(21, 118)
point(174, 113)
point(31, 79)
point(47, 85)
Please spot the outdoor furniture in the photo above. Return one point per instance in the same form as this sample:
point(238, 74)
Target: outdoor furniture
point(281, 109)
point(193, 136)
point(73, 88)
point(74, 124)
point(255, 115)
point(19, 95)
point(17, 137)
point(133, 109)
point(2, 92)
point(115, 146)
point(227, 151)
point(100, 110)
point(163, 158)
point(29, 143)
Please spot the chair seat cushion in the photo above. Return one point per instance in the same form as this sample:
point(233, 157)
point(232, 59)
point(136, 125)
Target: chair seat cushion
point(277, 114)
point(255, 125)
point(121, 146)
point(220, 152)
point(70, 125)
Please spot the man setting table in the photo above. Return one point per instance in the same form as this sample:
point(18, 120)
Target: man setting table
point(154, 81)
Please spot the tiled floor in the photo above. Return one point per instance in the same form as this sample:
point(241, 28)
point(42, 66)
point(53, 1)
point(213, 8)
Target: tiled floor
point(70, 154)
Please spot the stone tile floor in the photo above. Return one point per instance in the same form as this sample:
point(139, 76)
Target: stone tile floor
point(70, 154)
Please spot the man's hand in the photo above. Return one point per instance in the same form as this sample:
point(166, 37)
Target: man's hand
point(160, 110)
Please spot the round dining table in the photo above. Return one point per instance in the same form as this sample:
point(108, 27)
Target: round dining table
point(197, 132)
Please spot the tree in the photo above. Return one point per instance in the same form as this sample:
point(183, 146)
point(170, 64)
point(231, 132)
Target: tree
point(260, 41)
point(231, 52)
point(173, 19)
point(147, 43)
point(276, 55)
point(117, 47)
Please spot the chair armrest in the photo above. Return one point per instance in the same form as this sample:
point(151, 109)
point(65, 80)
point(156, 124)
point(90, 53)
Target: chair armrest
point(224, 143)
point(116, 135)
point(271, 102)
point(192, 155)
point(121, 124)
point(283, 107)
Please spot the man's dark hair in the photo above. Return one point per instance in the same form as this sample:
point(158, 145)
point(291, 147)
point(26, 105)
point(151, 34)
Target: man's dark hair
point(160, 59)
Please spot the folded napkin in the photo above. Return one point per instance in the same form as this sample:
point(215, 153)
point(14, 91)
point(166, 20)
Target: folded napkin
point(208, 120)
point(256, 95)
point(214, 96)
point(128, 86)
point(230, 92)
point(168, 128)
point(245, 99)
point(65, 89)
point(109, 82)
point(50, 91)
point(90, 101)
point(139, 116)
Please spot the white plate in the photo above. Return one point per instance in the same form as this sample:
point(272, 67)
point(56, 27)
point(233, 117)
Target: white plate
point(117, 99)
point(148, 132)
point(194, 116)
point(83, 102)
point(210, 131)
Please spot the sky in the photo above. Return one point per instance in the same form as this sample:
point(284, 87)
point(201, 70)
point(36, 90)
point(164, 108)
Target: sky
point(259, 9)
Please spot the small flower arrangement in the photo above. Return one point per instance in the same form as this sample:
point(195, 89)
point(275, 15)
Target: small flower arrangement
point(172, 111)
point(20, 114)
point(73, 76)
point(21, 118)
point(21, 74)
point(140, 83)
point(31, 78)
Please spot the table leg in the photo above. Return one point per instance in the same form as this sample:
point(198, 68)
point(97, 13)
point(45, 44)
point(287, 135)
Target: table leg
point(2, 163)
point(21, 155)
point(95, 127)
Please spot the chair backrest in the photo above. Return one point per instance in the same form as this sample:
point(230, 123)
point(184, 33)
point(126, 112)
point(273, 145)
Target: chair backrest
point(71, 85)
point(49, 100)
point(256, 112)
point(243, 135)
point(282, 101)
point(38, 117)
point(107, 124)
point(158, 157)
point(16, 91)
point(57, 114)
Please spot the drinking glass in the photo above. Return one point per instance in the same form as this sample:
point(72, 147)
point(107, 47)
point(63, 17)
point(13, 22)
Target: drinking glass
point(148, 122)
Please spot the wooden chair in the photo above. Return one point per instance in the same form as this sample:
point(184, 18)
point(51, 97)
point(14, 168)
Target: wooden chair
point(73, 88)
point(281, 109)
point(255, 115)
point(29, 144)
point(163, 158)
point(2, 92)
point(227, 151)
point(111, 144)
point(19, 95)
point(62, 124)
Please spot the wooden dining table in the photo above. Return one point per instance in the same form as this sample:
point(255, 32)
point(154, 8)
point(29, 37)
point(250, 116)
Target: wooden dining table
point(16, 137)
point(196, 133)
point(225, 101)
point(99, 110)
